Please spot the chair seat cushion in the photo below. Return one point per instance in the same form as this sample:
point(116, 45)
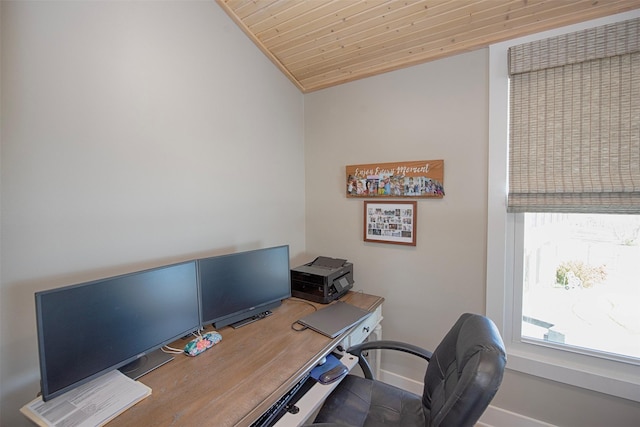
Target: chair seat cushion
point(360, 402)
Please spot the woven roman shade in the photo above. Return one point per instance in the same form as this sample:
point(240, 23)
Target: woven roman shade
point(574, 143)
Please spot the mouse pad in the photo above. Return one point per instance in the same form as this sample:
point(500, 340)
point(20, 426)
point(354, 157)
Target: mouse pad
point(332, 362)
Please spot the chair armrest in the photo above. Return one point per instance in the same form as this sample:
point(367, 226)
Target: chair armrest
point(357, 350)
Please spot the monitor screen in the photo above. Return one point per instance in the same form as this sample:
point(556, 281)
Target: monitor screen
point(89, 329)
point(240, 285)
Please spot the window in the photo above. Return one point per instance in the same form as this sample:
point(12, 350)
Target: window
point(580, 283)
point(523, 240)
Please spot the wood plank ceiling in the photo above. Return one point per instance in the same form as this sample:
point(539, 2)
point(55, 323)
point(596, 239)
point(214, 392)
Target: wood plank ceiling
point(323, 43)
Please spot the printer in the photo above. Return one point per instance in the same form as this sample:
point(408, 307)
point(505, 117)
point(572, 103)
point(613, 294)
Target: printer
point(322, 280)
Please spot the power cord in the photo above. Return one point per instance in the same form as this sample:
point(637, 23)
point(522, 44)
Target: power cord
point(295, 299)
point(172, 350)
point(299, 330)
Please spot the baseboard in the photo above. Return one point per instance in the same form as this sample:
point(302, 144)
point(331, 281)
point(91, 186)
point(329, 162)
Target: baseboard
point(498, 417)
point(492, 417)
point(401, 382)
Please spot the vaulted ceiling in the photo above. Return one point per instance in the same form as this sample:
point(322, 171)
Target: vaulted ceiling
point(323, 43)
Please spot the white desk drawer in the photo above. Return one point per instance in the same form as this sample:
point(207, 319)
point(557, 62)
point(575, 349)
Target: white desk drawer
point(362, 331)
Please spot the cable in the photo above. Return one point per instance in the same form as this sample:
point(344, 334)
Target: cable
point(299, 330)
point(295, 299)
point(171, 350)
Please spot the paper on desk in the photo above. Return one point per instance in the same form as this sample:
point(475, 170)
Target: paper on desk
point(91, 404)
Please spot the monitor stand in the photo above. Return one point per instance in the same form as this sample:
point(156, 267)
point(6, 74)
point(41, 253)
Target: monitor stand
point(251, 319)
point(146, 364)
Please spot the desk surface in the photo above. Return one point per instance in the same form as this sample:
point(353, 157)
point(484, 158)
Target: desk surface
point(241, 377)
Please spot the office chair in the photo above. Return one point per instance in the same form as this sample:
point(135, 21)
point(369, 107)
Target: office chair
point(463, 375)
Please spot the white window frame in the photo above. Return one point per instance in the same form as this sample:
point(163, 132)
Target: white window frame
point(504, 278)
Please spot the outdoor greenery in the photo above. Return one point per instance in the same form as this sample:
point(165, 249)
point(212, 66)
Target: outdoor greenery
point(578, 274)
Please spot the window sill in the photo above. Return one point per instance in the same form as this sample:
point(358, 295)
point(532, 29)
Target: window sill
point(621, 381)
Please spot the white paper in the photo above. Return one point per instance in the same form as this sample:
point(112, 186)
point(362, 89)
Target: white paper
point(91, 404)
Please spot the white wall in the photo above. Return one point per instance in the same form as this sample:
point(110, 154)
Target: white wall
point(427, 112)
point(134, 134)
point(437, 110)
point(139, 133)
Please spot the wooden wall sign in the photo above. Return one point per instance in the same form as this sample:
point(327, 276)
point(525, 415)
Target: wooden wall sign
point(423, 178)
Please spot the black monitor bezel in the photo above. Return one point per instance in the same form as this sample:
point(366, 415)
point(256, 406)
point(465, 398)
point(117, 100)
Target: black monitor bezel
point(48, 394)
point(249, 310)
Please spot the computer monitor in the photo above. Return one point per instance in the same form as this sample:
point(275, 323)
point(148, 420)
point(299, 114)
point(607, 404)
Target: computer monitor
point(243, 285)
point(88, 329)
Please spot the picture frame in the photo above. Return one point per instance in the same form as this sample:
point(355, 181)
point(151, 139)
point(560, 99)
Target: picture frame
point(392, 222)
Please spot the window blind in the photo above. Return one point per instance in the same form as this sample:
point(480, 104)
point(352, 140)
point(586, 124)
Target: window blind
point(574, 129)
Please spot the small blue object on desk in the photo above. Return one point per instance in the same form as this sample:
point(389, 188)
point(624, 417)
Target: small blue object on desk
point(202, 343)
point(330, 371)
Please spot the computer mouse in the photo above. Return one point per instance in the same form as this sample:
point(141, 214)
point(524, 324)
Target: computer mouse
point(333, 374)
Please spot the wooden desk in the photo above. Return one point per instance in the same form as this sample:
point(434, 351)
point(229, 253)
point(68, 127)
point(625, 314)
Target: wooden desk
point(237, 380)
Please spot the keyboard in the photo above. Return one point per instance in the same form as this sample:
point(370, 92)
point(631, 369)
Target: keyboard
point(278, 409)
